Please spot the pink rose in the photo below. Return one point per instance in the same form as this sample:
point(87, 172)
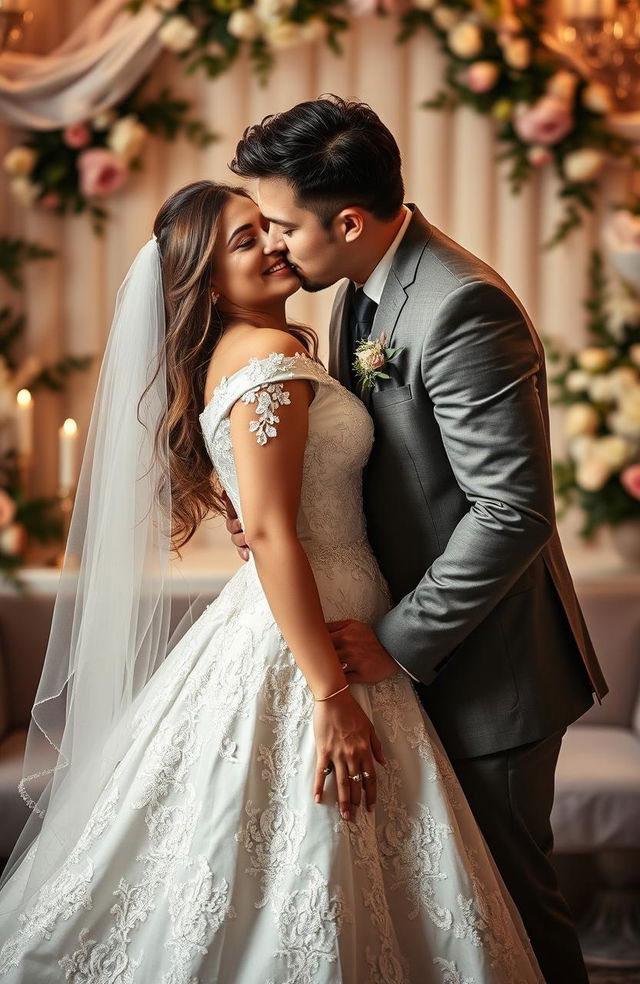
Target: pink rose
point(101, 172)
point(7, 508)
point(630, 479)
point(77, 135)
point(545, 122)
point(50, 201)
point(482, 76)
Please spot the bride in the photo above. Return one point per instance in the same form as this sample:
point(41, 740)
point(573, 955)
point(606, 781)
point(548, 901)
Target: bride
point(228, 808)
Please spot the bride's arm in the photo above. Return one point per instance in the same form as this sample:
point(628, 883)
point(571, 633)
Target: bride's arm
point(270, 480)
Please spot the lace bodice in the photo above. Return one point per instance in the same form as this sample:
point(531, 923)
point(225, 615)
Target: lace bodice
point(331, 524)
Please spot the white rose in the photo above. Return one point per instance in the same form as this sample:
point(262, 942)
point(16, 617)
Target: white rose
point(634, 354)
point(563, 85)
point(24, 191)
point(612, 449)
point(626, 420)
point(517, 53)
point(602, 389)
point(465, 40)
point(178, 34)
point(284, 35)
point(244, 24)
point(102, 121)
point(274, 11)
point(20, 160)
point(623, 378)
point(581, 419)
point(446, 17)
point(622, 309)
point(597, 97)
point(594, 358)
point(592, 474)
point(583, 165)
point(127, 137)
point(580, 447)
point(578, 380)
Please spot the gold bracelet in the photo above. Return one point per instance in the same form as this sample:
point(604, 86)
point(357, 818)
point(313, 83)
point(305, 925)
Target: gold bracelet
point(346, 687)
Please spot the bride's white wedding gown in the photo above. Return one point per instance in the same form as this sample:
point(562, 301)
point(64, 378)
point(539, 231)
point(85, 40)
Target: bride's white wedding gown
point(206, 859)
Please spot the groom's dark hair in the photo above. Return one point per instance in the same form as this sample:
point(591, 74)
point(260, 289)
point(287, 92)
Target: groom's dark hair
point(332, 152)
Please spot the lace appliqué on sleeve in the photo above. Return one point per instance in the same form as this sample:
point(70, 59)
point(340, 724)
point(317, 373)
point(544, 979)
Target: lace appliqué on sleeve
point(268, 398)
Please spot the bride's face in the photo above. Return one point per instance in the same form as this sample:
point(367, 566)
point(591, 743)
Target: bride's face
point(248, 273)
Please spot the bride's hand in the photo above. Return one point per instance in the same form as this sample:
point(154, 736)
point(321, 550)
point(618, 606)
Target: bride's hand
point(347, 742)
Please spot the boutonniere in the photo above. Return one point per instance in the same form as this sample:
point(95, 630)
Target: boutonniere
point(370, 359)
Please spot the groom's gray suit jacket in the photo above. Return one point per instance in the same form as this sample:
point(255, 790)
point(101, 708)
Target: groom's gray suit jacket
point(459, 503)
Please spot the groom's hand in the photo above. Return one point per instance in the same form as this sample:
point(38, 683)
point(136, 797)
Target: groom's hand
point(234, 527)
point(357, 645)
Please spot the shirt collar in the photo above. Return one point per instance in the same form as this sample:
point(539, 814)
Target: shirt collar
point(374, 285)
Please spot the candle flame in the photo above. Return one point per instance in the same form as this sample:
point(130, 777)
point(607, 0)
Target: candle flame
point(23, 398)
point(70, 426)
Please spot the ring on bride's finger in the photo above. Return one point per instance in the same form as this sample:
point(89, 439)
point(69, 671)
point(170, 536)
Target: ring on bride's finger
point(356, 778)
point(366, 775)
point(328, 770)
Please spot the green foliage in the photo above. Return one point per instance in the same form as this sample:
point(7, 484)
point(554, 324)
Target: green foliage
point(14, 253)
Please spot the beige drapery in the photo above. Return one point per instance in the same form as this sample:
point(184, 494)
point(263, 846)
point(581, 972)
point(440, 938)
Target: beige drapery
point(449, 168)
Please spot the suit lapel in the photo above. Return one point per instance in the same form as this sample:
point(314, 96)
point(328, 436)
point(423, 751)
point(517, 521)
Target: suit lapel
point(402, 274)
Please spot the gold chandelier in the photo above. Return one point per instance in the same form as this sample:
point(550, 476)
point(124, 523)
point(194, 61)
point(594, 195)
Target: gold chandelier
point(13, 18)
point(601, 38)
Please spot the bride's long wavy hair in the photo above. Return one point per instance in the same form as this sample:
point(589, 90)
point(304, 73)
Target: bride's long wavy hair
point(187, 228)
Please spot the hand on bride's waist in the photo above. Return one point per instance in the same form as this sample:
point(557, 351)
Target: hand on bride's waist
point(357, 645)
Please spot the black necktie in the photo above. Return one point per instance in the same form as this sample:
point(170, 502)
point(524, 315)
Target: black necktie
point(362, 311)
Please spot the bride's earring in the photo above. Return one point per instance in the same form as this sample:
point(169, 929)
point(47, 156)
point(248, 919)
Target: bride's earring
point(214, 297)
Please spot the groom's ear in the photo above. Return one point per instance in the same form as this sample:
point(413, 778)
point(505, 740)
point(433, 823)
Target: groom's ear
point(350, 224)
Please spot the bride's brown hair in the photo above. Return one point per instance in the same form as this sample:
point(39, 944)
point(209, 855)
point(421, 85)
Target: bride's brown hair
point(186, 228)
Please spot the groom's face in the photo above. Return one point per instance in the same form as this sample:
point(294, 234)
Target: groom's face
point(316, 253)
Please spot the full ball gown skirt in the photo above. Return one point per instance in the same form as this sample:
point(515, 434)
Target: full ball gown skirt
point(206, 859)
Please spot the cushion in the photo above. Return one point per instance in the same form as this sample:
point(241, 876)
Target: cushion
point(597, 798)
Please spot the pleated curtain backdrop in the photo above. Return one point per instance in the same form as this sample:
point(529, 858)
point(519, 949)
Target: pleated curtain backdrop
point(450, 171)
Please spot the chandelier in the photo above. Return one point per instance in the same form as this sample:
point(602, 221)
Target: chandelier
point(601, 38)
point(13, 17)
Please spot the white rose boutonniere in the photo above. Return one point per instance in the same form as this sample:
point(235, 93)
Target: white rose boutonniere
point(371, 356)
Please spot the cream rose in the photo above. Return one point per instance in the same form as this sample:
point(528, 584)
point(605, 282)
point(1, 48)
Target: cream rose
point(626, 420)
point(127, 137)
point(274, 11)
point(612, 449)
point(446, 17)
point(581, 419)
point(517, 53)
point(592, 474)
point(578, 380)
point(597, 98)
point(602, 388)
point(583, 165)
point(24, 190)
point(594, 358)
point(245, 24)
point(20, 161)
point(465, 40)
point(102, 121)
point(178, 34)
point(13, 539)
point(371, 358)
point(284, 35)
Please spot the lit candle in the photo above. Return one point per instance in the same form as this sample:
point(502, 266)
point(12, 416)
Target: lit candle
point(67, 439)
point(24, 422)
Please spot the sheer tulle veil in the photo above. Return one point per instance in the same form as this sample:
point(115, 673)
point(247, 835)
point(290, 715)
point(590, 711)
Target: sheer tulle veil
point(112, 612)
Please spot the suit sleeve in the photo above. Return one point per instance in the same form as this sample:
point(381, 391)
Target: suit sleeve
point(480, 366)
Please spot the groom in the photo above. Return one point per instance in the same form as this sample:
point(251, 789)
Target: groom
point(458, 493)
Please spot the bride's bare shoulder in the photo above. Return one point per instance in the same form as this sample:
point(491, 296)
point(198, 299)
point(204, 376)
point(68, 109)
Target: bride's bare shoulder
point(233, 352)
